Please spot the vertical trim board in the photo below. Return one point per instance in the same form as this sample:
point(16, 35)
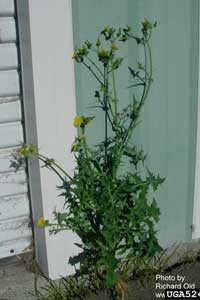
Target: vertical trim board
point(196, 209)
point(30, 132)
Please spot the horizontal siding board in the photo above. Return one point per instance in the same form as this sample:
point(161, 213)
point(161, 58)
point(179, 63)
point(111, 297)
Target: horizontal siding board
point(15, 247)
point(6, 99)
point(11, 134)
point(8, 151)
point(9, 83)
point(14, 206)
point(10, 112)
point(5, 162)
point(8, 56)
point(13, 183)
point(6, 155)
point(15, 219)
point(7, 7)
point(7, 30)
point(14, 229)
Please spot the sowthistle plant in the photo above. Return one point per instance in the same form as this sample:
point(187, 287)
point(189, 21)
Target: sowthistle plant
point(109, 211)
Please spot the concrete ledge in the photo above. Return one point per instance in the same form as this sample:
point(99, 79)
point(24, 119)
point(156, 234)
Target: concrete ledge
point(16, 282)
point(180, 252)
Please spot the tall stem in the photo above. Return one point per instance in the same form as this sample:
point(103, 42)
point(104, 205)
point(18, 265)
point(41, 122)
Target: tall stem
point(114, 91)
point(95, 65)
point(93, 73)
point(52, 162)
point(142, 100)
point(150, 69)
point(147, 85)
point(106, 108)
point(49, 165)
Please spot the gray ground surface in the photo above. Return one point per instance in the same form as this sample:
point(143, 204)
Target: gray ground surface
point(191, 271)
point(146, 290)
point(16, 283)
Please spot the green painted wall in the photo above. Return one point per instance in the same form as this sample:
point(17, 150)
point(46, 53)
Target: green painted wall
point(168, 128)
point(89, 17)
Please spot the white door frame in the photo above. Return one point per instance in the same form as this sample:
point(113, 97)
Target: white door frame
point(45, 32)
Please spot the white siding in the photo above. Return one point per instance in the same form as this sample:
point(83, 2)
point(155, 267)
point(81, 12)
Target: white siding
point(7, 30)
point(12, 183)
point(9, 83)
point(15, 224)
point(8, 56)
point(15, 246)
point(10, 111)
point(11, 134)
point(5, 157)
point(7, 7)
point(18, 228)
point(14, 206)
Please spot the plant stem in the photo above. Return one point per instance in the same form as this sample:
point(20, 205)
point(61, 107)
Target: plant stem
point(87, 156)
point(40, 156)
point(150, 71)
point(106, 108)
point(147, 85)
point(110, 107)
point(52, 168)
point(95, 75)
point(95, 65)
point(145, 78)
point(114, 90)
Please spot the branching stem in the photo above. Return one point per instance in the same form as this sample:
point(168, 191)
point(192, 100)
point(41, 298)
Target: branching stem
point(53, 163)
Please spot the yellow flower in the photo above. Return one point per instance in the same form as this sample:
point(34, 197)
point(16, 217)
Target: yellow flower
point(78, 121)
point(42, 222)
point(114, 47)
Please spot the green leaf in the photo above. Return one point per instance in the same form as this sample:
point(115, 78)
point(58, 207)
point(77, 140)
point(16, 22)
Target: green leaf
point(154, 210)
point(61, 217)
point(112, 279)
point(76, 259)
point(154, 181)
